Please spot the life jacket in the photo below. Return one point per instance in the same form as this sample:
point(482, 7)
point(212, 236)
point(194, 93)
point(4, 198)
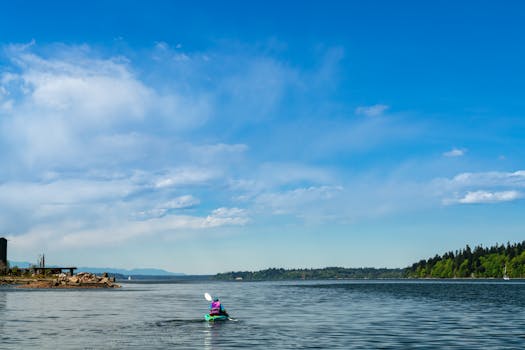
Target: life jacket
point(215, 308)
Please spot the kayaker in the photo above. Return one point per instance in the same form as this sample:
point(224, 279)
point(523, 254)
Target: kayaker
point(216, 308)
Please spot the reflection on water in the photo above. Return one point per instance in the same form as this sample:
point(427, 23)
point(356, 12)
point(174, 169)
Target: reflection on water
point(212, 335)
point(3, 298)
point(3, 301)
point(284, 315)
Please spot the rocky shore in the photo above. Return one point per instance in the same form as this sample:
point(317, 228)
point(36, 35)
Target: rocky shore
point(80, 280)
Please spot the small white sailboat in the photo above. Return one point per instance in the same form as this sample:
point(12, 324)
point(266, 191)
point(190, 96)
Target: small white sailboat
point(505, 276)
point(129, 278)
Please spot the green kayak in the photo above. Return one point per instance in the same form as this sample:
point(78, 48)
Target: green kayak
point(209, 317)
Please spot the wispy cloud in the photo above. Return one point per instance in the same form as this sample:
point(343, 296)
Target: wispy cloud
point(226, 216)
point(184, 177)
point(455, 152)
point(489, 197)
point(371, 111)
point(69, 234)
point(491, 178)
point(162, 209)
point(104, 154)
point(298, 201)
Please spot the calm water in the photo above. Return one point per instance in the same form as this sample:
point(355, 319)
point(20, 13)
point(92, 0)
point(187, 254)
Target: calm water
point(278, 315)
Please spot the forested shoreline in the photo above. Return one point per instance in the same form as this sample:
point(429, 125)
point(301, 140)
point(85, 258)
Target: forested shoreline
point(273, 274)
point(480, 262)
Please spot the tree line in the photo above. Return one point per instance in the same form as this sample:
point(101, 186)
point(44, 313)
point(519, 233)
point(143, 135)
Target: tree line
point(273, 274)
point(480, 262)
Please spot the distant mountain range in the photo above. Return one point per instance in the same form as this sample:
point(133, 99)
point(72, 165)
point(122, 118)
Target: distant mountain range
point(22, 264)
point(132, 272)
point(99, 270)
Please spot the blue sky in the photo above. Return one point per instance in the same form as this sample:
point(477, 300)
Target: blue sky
point(208, 137)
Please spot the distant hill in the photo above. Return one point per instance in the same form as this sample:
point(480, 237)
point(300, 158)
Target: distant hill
point(22, 264)
point(100, 270)
point(312, 274)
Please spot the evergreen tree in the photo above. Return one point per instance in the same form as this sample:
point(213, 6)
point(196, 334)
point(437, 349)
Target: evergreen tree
point(485, 262)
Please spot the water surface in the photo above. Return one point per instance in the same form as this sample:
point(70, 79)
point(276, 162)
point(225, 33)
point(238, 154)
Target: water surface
point(282, 315)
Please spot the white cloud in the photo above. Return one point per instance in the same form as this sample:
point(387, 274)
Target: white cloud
point(185, 176)
point(106, 150)
point(64, 192)
point(495, 187)
point(80, 89)
point(226, 216)
point(88, 201)
point(161, 45)
point(270, 178)
point(491, 178)
point(489, 197)
point(69, 234)
point(298, 201)
point(455, 152)
point(59, 104)
point(371, 111)
point(182, 202)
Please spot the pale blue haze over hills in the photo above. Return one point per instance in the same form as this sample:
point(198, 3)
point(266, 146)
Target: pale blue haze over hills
point(101, 270)
point(234, 135)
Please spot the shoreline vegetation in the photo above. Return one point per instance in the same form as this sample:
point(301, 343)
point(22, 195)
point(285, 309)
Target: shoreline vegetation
point(327, 273)
point(498, 261)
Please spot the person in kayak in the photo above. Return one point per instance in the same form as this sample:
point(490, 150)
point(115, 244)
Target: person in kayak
point(216, 308)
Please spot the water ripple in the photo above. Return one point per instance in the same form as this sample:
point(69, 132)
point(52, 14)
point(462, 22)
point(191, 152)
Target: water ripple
point(285, 315)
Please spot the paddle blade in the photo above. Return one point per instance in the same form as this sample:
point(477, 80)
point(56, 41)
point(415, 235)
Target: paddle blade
point(207, 297)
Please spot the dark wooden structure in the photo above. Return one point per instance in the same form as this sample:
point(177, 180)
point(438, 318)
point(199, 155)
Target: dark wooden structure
point(52, 270)
point(3, 253)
